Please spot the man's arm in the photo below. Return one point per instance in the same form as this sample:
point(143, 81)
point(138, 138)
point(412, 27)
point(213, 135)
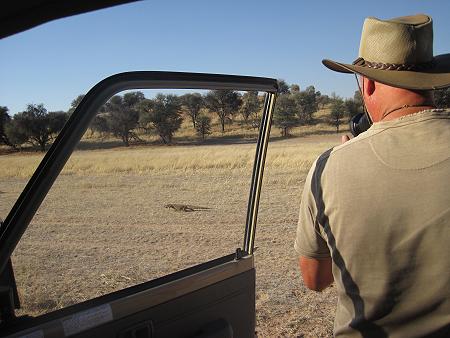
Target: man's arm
point(316, 273)
point(310, 244)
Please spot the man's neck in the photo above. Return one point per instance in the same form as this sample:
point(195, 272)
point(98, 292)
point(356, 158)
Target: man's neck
point(405, 110)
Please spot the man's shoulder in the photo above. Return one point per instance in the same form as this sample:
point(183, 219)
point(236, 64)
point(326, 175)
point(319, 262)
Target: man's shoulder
point(351, 148)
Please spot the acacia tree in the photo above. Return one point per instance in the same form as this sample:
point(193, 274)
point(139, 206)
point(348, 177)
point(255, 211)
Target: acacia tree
point(285, 116)
point(74, 104)
point(283, 87)
point(14, 133)
point(294, 88)
point(307, 104)
point(37, 125)
point(337, 112)
point(250, 106)
point(203, 125)
point(99, 124)
point(322, 101)
point(163, 114)
point(354, 105)
point(121, 117)
point(132, 99)
point(224, 103)
point(192, 103)
point(5, 119)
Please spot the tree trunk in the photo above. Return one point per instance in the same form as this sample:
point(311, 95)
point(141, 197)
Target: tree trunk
point(42, 146)
point(125, 140)
point(163, 138)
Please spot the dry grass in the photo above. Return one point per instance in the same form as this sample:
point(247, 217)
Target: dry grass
point(103, 226)
point(144, 160)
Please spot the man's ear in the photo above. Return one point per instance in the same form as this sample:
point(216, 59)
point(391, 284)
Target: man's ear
point(369, 87)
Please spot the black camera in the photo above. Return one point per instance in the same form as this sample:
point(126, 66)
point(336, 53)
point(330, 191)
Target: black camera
point(359, 124)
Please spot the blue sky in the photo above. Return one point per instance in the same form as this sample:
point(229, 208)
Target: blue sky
point(55, 62)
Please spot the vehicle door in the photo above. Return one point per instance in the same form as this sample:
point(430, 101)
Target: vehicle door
point(214, 298)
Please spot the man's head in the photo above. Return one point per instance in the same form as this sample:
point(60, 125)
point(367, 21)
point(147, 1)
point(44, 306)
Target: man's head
point(385, 102)
point(396, 64)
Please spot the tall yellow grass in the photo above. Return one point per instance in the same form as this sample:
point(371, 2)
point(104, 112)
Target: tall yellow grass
point(139, 160)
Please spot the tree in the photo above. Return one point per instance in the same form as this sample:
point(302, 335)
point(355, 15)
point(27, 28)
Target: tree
point(99, 123)
point(295, 88)
point(164, 114)
point(224, 103)
point(203, 125)
point(37, 125)
point(337, 112)
point(250, 106)
point(354, 106)
point(4, 120)
point(322, 101)
point(307, 104)
point(285, 116)
point(192, 103)
point(358, 99)
point(14, 133)
point(121, 118)
point(74, 104)
point(132, 99)
point(442, 98)
point(283, 87)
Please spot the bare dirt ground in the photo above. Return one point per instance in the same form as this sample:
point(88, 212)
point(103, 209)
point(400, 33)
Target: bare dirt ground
point(100, 232)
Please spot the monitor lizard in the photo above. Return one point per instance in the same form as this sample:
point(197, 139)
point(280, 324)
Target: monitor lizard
point(185, 207)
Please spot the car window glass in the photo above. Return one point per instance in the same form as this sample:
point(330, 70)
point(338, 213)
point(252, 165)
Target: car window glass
point(143, 195)
point(24, 140)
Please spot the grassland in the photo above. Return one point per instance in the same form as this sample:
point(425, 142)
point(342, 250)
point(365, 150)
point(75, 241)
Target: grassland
point(103, 226)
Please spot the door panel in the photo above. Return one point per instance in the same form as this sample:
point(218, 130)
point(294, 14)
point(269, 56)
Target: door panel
point(217, 295)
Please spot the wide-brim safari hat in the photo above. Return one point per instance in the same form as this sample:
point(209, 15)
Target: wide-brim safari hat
point(399, 52)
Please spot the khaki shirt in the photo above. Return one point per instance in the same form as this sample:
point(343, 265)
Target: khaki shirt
point(379, 205)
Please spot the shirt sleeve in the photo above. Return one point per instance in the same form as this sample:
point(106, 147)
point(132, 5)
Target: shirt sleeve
point(309, 241)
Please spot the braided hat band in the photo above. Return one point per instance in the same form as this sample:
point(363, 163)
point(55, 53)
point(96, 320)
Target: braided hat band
point(394, 66)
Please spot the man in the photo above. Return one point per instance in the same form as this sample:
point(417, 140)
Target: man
point(375, 211)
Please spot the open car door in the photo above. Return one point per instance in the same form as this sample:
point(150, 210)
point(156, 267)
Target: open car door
point(212, 299)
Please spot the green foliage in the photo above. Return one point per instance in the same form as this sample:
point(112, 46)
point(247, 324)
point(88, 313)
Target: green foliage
point(36, 125)
point(132, 99)
point(224, 103)
point(99, 123)
point(322, 101)
point(121, 117)
point(307, 104)
point(283, 87)
point(442, 98)
point(203, 125)
point(337, 112)
point(163, 114)
point(192, 103)
point(74, 104)
point(15, 134)
point(295, 88)
point(358, 99)
point(250, 106)
point(285, 114)
point(354, 106)
point(5, 119)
